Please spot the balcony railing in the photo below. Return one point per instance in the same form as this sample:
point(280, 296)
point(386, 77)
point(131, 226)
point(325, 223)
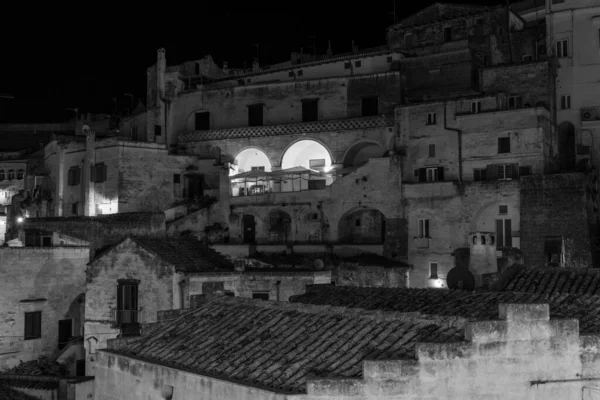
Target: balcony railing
point(333, 125)
point(120, 317)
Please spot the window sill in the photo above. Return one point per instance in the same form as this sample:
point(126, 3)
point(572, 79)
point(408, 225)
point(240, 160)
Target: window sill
point(33, 338)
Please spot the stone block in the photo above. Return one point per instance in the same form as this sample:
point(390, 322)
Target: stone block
point(334, 387)
point(524, 312)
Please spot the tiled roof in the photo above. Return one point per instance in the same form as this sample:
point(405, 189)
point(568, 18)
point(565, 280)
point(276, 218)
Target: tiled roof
point(30, 383)
point(452, 303)
point(275, 345)
point(185, 254)
point(289, 129)
point(8, 393)
point(549, 281)
point(374, 260)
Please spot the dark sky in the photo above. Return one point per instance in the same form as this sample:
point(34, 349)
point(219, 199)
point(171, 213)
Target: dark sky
point(84, 56)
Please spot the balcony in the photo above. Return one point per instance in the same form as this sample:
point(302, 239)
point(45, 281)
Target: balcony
point(128, 321)
point(346, 124)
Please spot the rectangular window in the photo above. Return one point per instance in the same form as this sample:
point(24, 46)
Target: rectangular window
point(255, 115)
point(503, 210)
point(316, 184)
point(317, 162)
point(503, 145)
point(357, 64)
point(176, 178)
point(370, 106)
point(357, 222)
point(423, 228)
point(98, 173)
point(389, 59)
point(291, 74)
point(515, 102)
point(433, 270)
point(505, 171)
point(310, 110)
point(260, 295)
point(75, 208)
point(432, 150)
point(74, 176)
point(432, 174)
point(259, 168)
point(562, 48)
point(553, 247)
point(157, 130)
point(431, 118)
point(347, 65)
point(479, 174)
point(475, 107)
point(127, 302)
point(33, 325)
point(300, 73)
point(503, 233)
point(448, 34)
point(527, 57)
point(565, 102)
point(202, 121)
point(409, 40)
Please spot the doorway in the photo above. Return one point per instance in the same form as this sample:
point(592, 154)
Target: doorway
point(194, 186)
point(249, 227)
point(65, 331)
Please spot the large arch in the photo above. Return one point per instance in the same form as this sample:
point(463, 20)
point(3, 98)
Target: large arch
point(249, 158)
point(306, 153)
point(360, 152)
point(566, 146)
point(362, 226)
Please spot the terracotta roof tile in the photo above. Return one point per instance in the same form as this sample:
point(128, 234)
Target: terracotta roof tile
point(277, 345)
point(576, 281)
point(185, 254)
point(30, 384)
point(454, 303)
point(8, 393)
point(289, 129)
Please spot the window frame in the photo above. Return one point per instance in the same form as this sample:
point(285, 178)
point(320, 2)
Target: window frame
point(563, 45)
point(504, 145)
point(423, 228)
point(475, 106)
point(434, 274)
point(565, 101)
point(431, 150)
point(36, 328)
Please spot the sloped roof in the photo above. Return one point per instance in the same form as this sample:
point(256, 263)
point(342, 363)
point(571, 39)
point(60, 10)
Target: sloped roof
point(452, 303)
point(30, 384)
point(276, 345)
point(551, 281)
point(185, 254)
point(8, 393)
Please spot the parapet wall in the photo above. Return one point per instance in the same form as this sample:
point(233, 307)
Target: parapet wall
point(522, 355)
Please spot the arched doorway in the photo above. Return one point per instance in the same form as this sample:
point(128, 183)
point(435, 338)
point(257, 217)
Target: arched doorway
point(361, 152)
point(363, 226)
point(566, 146)
point(250, 159)
point(280, 226)
point(308, 154)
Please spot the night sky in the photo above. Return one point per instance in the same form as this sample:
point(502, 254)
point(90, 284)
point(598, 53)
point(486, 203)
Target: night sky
point(86, 56)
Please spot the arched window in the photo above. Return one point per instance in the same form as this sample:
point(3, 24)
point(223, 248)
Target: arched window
point(2, 176)
point(11, 174)
point(20, 174)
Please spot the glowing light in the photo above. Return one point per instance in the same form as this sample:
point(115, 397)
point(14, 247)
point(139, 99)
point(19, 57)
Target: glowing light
point(19, 220)
point(301, 153)
point(436, 283)
point(250, 158)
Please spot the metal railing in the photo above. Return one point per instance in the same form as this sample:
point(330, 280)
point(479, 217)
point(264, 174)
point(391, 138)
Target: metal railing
point(120, 317)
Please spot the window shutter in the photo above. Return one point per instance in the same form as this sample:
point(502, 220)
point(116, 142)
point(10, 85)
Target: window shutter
point(37, 324)
point(93, 173)
point(507, 171)
point(104, 172)
point(507, 233)
point(426, 228)
point(515, 171)
point(492, 172)
point(27, 325)
point(499, 236)
point(70, 177)
point(422, 175)
point(440, 173)
point(416, 172)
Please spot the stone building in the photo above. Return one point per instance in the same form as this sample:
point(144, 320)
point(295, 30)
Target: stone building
point(42, 296)
point(419, 344)
point(130, 282)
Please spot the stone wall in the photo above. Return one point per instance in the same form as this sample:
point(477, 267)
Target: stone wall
point(354, 274)
point(454, 211)
point(50, 280)
point(555, 206)
point(499, 359)
point(126, 261)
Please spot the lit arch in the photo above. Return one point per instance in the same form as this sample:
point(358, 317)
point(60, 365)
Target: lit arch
point(306, 153)
point(251, 157)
